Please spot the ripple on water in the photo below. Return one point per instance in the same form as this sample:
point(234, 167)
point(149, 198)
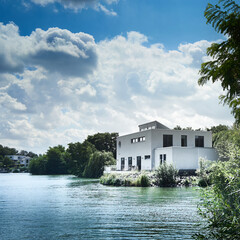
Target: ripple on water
point(66, 207)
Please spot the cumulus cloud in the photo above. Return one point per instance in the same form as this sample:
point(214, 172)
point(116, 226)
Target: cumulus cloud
point(81, 4)
point(64, 86)
point(56, 50)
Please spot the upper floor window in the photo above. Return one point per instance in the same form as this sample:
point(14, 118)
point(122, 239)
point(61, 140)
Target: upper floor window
point(167, 140)
point(139, 139)
point(199, 141)
point(147, 156)
point(119, 144)
point(184, 140)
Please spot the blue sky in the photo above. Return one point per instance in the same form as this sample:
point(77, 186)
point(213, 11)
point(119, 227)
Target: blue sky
point(70, 68)
point(169, 22)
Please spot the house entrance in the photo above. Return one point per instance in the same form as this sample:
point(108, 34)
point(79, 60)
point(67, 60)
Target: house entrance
point(139, 163)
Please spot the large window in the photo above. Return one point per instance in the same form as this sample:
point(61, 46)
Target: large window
point(184, 140)
point(167, 140)
point(199, 141)
point(129, 163)
point(122, 163)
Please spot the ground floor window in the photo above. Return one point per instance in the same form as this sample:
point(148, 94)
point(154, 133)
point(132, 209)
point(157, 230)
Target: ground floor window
point(129, 163)
point(163, 158)
point(122, 163)
point(139, 163)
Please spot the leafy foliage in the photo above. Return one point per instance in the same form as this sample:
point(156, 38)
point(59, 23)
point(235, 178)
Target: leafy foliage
point(37, 165)
point(203, 173)
point(143, 181)
point(80, 159)
point(104, 142)
point(222, 140)
point(166, 175)
point(6, 162)
point(221, 201)
point(96, 163)
point(80, 154)
point(7, 151)
point(225, 66)
point(56, 163)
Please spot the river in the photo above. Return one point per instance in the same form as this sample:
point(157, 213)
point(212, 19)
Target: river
point(66, 207)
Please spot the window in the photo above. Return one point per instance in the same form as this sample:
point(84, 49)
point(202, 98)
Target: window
point(167, 140)
point(122, 163)
point(147, 156)
point(184, 140)
point(163, 158)
point(139, 139)
point(119, 143)
point(129, 163)
point(199, 141)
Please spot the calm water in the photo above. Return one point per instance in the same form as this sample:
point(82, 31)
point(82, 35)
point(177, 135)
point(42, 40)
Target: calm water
point(66, 207)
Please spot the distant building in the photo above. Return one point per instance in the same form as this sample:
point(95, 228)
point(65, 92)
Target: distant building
point(155, 144)
point(20, 160)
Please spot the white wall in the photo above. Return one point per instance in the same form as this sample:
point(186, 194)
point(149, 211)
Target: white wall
point(185, 158)
point(157, 137)
point(133, 150)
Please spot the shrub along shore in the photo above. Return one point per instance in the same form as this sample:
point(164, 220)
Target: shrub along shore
point(164, 176)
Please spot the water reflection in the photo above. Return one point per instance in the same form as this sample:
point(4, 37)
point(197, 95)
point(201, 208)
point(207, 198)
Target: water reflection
point(66, 207)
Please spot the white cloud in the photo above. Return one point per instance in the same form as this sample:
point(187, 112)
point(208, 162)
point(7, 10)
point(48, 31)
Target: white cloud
point(63, 86)
point(11, 103)
point(81, 4)
point(56, 50)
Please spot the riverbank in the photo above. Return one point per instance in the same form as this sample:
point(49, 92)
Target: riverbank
point(143, 179)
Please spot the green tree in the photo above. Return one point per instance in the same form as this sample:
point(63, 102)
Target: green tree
point(222, 140)
point(96, 163)
point(225, 66)
point(104, 142)
point(56, 163)
point(7, 151)
point(37, 165)
point(6, 162)
point(80, 154)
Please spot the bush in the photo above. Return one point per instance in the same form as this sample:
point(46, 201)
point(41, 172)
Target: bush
point(109, 179)
point(203, 173)
point(143, 181)
point(166, 175)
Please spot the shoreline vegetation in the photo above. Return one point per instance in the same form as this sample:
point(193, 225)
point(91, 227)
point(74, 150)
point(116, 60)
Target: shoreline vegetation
point(144, 179)
point(165, 176)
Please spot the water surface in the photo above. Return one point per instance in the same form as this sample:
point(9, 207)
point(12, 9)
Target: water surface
point(66, 207)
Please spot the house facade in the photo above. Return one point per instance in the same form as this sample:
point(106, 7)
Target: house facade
point(20, 160)
point(155, 144)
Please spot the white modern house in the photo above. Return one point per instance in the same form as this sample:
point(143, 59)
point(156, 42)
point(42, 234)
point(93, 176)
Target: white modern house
point(20, 159)
point(155, 144)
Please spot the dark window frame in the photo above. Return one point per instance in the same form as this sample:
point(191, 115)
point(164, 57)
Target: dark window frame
point(167, 140)
point(199, 141)
point(183, 140)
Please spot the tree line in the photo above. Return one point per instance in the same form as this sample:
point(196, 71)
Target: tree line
point(86, 159)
